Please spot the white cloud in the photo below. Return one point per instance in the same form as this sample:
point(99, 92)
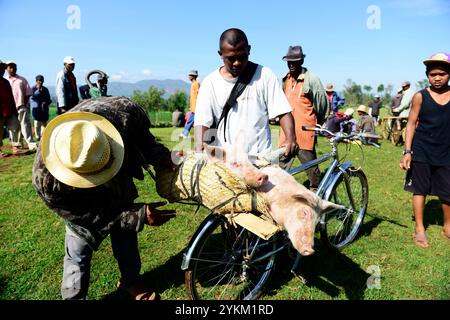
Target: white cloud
point(147, 72)
point(423, 7)
point(116, 77)
point(120, 76)
point(132, 77)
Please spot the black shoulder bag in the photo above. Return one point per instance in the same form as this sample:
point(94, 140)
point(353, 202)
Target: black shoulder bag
point(242, 82)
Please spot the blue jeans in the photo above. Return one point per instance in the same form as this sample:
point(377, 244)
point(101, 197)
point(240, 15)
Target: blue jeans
point(78, 256)
point(189, 124)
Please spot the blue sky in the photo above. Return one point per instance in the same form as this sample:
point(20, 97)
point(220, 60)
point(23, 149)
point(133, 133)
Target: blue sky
point(135, 40)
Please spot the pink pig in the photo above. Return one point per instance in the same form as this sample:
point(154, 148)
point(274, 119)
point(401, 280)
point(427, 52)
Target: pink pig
point(238, 163)
point(291, 204)
point(294, 207)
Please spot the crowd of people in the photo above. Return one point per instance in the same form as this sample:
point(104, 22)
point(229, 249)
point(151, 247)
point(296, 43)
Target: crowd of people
point(89, 154)
point(21, 103)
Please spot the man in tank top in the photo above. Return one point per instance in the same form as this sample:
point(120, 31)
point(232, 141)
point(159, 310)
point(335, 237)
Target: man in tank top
point(427, 145)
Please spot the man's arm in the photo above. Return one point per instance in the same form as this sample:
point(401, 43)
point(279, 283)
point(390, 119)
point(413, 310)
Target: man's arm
point(59, 90)
point(320, 99)
point(405, 103)
point(199, 137)
point(288, 126)
point(405, 162)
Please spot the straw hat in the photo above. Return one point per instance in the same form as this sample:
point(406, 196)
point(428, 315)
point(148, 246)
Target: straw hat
point(363, 108)
point(82, 149)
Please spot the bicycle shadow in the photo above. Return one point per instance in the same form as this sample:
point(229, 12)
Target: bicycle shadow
point(328, 270)
point(159, 279)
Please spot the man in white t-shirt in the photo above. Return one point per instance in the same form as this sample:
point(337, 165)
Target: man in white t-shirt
point(261, 100)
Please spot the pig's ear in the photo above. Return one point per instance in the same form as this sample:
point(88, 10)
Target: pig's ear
point(327, 206)
point(214, 154)
point(309, 199)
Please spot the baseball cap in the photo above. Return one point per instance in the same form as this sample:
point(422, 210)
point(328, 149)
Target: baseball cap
point(349, 112)
point(440, 57)
point(69, 60)
point(406, 83)
point(40, 77)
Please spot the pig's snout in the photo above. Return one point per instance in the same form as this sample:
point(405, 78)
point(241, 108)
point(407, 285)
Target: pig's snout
point(262, 179)
point(307, 251)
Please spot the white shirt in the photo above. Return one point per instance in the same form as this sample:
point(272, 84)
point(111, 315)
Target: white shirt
point(406, 103)
point(262, 99)
point(59, 89)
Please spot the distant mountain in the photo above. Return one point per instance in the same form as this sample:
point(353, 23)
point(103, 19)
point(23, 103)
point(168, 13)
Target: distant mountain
point(126, 89)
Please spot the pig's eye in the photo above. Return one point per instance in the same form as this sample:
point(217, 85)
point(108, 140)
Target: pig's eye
point(235, 164)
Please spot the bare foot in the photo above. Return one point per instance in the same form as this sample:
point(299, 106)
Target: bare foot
point(421, 240)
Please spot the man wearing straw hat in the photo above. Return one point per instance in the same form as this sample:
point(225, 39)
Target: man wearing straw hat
point(84, 171)
point(365, 122)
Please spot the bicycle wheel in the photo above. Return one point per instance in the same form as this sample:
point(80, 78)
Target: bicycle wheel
point(341, 226)
point(386, 128)
point(396, 135)
point(229, 263)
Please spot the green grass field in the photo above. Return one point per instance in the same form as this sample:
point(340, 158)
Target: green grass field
point(32, 243)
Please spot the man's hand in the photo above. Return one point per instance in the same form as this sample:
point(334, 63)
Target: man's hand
point(291, 148)
point(405, 162)
point(156, 217)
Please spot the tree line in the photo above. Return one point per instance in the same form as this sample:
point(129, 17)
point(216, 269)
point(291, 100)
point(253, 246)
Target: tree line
point(356, 94)
point(153, 100)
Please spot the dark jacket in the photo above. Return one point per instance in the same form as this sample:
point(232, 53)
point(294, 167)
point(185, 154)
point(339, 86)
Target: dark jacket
point(334, 122)
point(336, 102)
point(7, 103)
point(375, 105)
point(40, 101)
point(66, 90)
point(91, 213)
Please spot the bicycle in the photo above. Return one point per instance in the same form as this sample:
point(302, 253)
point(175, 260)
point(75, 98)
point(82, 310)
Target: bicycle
point(393, 128)
point(224, 261)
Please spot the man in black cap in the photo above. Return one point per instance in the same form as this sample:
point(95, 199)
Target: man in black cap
point(310, 106)
point(40, 102)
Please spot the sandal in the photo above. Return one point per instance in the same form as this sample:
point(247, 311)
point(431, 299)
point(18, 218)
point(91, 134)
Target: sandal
point(137, 292)
point(421, 240)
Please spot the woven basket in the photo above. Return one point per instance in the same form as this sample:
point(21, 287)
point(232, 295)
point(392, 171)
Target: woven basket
point(212, 184)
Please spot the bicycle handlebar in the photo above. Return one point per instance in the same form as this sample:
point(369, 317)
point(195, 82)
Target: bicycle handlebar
point(339, 136)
